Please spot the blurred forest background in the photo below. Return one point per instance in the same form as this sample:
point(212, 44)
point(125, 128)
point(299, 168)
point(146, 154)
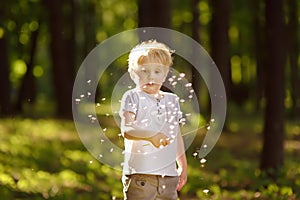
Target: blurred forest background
point(255, 44)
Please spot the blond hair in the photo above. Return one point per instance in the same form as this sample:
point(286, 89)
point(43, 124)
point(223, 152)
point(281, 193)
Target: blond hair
point(150, 51)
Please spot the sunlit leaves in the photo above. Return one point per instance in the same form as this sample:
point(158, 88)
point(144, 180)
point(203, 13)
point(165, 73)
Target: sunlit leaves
point(114, 12)
point(19, 68)
point(38, 71)
point(205, 14)
point(236, 74)
point(233, 34)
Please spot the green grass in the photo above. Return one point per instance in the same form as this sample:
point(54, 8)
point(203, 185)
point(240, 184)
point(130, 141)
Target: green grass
point(44, 159)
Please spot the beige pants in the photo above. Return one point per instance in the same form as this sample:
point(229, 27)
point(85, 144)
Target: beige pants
point(149, 187)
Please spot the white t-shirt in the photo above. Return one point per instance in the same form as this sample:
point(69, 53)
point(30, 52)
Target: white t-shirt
point(161, 115)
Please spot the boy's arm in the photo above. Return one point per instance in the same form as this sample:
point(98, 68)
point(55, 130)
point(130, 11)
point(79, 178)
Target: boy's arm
point(181, 161)
point(135, 132)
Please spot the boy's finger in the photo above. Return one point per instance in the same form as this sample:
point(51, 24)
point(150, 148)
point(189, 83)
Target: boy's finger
point(167, 142)
point(179, 186)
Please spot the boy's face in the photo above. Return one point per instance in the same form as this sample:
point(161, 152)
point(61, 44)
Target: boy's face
point(150, 77)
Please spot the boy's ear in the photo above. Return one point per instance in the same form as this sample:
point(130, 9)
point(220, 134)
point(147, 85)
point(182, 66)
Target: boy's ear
point(132, 74)
point(166, 74)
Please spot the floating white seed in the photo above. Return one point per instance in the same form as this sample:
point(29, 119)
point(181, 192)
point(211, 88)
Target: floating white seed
point(188, 85)
point(206, 191)
point(182, 75)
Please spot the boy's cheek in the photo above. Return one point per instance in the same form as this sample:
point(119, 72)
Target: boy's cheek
point(160, 80)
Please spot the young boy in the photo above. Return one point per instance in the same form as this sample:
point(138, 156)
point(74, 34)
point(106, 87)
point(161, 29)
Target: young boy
point(150, 127)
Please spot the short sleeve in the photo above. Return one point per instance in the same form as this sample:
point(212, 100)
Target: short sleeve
point(128, 103)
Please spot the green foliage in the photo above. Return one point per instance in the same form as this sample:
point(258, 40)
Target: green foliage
point(106, 18)
point(231, 171)
point(44, 159)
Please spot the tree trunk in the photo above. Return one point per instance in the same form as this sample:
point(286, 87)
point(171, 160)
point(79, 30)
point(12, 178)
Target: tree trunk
point(89, 27)
point(27, 91)
point(62, 49)
point(220, 40)
point(5, 89)
point(293, 50)
point(154, 13)
point(273, 137)
point(259, 32)
point(196, 36)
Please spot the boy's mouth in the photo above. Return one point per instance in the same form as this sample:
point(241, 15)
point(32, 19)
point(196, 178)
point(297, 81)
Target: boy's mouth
point(150, 83)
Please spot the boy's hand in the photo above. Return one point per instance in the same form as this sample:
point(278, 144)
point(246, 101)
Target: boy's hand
point(159, 139)
point(182, 175)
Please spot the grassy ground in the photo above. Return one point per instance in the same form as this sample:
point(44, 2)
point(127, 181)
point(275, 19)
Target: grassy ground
point(44, 159)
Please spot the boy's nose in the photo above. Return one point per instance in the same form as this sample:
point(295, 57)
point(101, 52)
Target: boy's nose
point(151, 76)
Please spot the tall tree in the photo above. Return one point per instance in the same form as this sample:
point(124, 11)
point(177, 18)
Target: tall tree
point(89, 26)
point(62, 46)
point(5, 101)
point(259, 33)
point(27, 91)
point(196, 79)
point(219, 39)
point(89, 30)
point(155, 13)
point(293, 52)
point(272, 156)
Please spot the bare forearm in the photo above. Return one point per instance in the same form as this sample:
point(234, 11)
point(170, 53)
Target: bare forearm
point(182, 163)
point(131, 130)
point(131, 137)
point(181, 157)
point(134, 131)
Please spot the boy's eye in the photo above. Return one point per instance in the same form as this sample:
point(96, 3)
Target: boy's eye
point(157, 72)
